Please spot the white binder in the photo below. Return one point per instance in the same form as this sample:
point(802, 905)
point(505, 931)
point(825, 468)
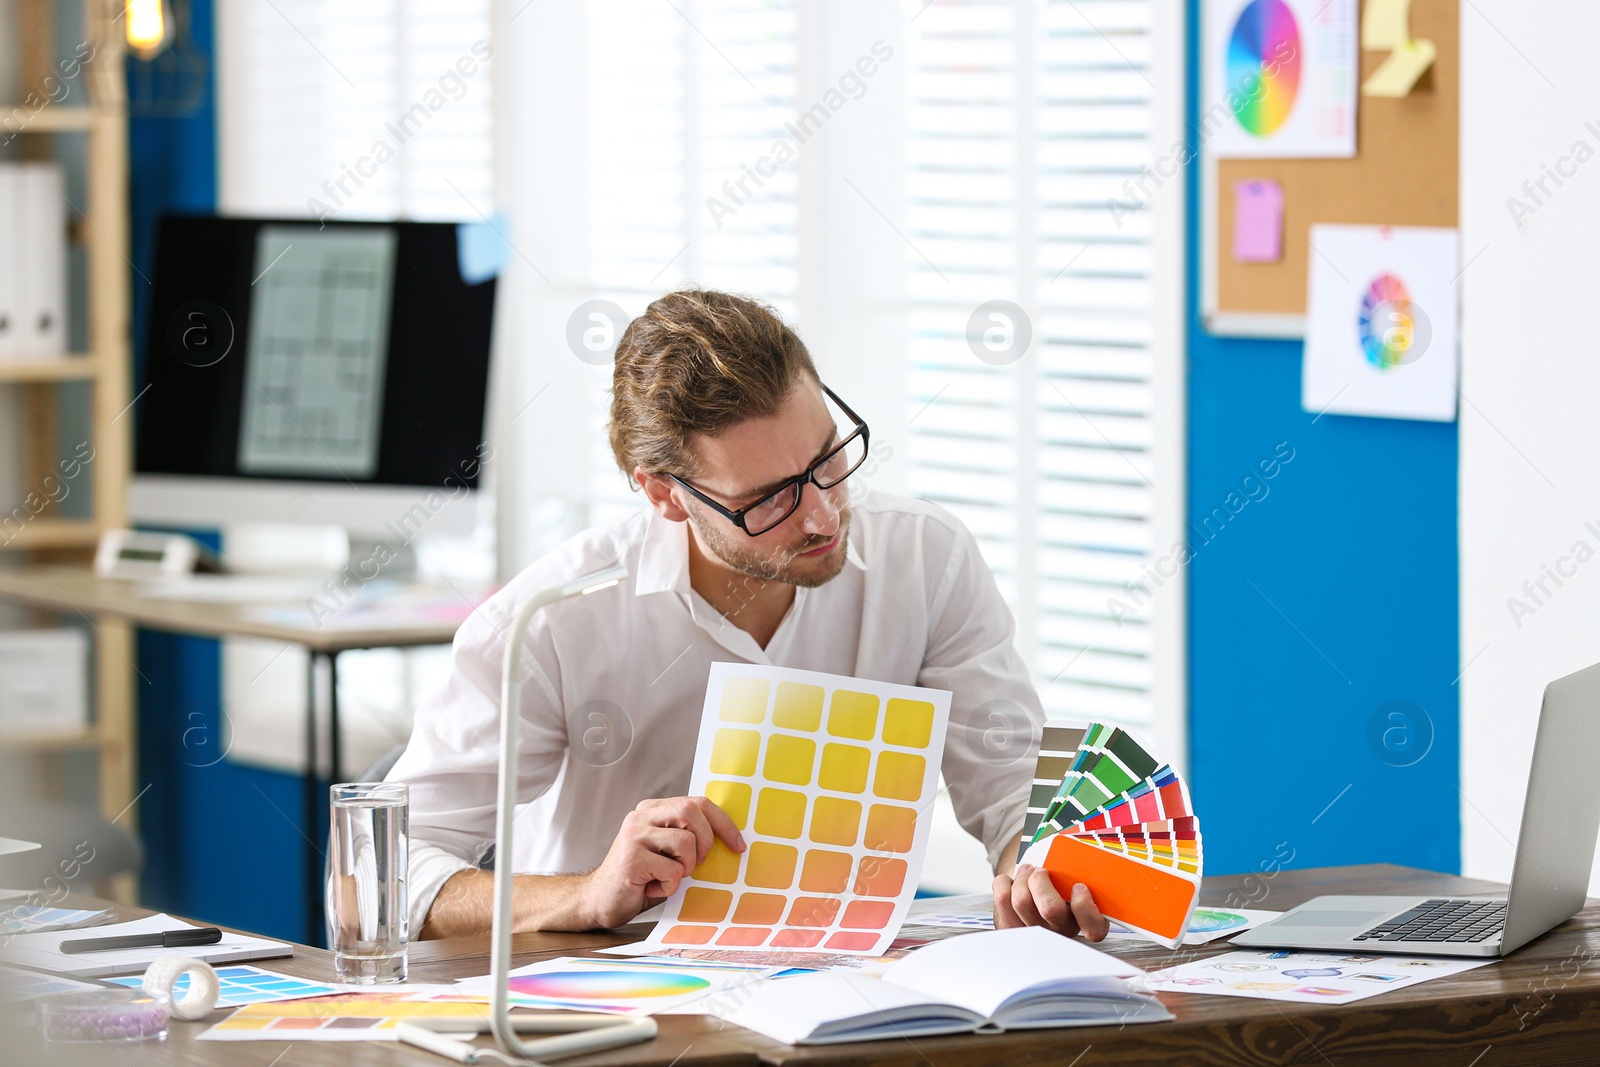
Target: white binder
point(11, 258)
point(43, 272)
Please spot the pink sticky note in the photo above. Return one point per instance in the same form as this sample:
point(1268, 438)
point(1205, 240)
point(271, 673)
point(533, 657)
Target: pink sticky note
point(1257, 221)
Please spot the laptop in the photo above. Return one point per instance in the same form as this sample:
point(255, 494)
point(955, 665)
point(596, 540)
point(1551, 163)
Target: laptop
point(1549, 880)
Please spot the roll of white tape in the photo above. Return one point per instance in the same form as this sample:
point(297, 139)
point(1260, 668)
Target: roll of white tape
point(198, 999)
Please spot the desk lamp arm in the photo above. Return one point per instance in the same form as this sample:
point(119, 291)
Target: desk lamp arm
point(500, 942)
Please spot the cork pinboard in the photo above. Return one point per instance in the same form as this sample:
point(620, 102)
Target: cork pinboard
point(1405, 173)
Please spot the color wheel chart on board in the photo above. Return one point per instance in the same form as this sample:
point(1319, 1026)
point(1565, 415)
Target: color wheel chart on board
point(1121, 821)
point(1264, 56)
point(831, 780)
point(1281, 78)
point(1395, 161)
point(1385, 323)
point(1382, 326)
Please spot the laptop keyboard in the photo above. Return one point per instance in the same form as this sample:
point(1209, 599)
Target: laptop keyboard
point(1442, 920)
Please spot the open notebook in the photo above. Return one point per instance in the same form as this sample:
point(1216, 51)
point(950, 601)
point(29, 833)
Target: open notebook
point(1026, 978)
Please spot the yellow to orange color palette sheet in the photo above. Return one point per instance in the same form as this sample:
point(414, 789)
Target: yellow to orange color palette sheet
point(831, 780)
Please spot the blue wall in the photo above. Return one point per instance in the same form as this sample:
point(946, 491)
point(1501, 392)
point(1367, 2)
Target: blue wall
point(1312, 609)
point(220, 843)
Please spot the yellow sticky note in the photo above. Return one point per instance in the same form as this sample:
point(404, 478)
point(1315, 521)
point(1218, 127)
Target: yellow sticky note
point(1399, 73)
point(1385, 24)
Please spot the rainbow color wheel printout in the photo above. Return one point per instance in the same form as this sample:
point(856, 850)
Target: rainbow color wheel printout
point(622, 987)
point(1385, 321)
point(1280, 78)
point(1264, 53)
point(1119, 820)
point(831, 780)
point(1382, 310)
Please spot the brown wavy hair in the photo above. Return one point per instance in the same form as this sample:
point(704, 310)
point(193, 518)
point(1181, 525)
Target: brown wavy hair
point(697, 361)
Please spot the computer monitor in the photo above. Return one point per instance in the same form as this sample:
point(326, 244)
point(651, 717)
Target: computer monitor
point(296, 371)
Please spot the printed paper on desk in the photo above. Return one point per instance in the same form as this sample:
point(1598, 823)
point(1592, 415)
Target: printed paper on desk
point(27, 919)
point(617, 987)
point(831, 780)
point(243, 984)
point(17, 986)
point(1210, 924)
point(42, 951)
point(1303, 976)
point(366, 1016)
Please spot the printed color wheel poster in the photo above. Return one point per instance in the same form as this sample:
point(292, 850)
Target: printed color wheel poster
point(1381, 322)
point(1280, 79)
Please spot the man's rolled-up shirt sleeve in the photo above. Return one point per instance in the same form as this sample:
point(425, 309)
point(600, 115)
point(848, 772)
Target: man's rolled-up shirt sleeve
point(452, 761)
point(996, 719)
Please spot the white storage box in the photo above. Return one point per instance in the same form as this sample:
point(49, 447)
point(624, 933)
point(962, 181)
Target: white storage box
point(44, 681)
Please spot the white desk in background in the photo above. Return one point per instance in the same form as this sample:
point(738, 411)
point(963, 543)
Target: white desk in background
point(382, 614)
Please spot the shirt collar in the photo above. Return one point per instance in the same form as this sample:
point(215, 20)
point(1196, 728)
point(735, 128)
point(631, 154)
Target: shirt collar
point(664, 556)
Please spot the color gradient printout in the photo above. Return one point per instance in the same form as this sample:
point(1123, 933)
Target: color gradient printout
point(832, 781)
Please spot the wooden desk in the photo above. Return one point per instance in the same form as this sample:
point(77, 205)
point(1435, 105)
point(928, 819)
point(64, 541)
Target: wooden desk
point(1540, 1006)
point(78, 591)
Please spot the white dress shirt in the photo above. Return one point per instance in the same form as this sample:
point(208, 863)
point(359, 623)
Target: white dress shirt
point(611, 706)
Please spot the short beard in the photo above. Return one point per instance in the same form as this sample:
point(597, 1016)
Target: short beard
point(738, 557)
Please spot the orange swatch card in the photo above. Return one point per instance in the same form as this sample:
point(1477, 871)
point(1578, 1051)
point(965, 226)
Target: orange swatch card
point(1155, 901)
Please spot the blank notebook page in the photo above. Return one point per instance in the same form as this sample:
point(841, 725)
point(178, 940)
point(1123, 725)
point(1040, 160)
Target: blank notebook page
point(982, 971)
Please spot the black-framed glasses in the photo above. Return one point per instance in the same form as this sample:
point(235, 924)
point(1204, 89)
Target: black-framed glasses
point(828, 471)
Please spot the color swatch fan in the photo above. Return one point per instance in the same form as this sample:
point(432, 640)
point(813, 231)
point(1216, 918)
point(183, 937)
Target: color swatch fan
point(1121, 822)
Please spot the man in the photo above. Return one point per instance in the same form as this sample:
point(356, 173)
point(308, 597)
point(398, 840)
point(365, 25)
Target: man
point(751, 550)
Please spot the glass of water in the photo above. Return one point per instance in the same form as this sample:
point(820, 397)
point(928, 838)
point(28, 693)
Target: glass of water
point(366, 892)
